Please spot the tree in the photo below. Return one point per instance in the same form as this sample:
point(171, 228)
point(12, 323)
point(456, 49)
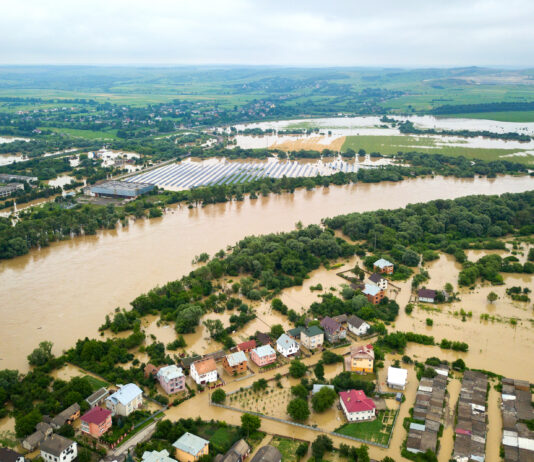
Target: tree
point(410, 258)
point(492, 296)
point(323, 399)
point(302, 450)
point(297, 369)
point(298, 409)
point(218, 396)
point(362, 453)
point(321, 445)
point(459, 364)
point(25, 424)
point(42, 354)
point(300, 391)
point(215, 327)
point(277, 330)
point(259, 385)
point(250, 423)
point(319, 370)
point(330, 358)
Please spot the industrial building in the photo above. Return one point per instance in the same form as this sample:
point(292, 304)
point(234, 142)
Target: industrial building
point(120, 189)
point(6, 177)
point(9, 189)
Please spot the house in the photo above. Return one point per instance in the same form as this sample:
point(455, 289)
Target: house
point(357, 406)
point(8, 455)
point(98, 397)
point(379, 280)
point(263, 355)
point(157, 456)
point(373, 293)
point(267, 454)
point(312, 338)
point(341, 318)
point(44, 428)
point(235, 363)
point(357, 326)
point(186, 362)
point(172, 379)
point(127, 399)
point(361, 359)
point(247, 346)
point(295, 332)
point(189, 447)
point(57, 448)
point(333, 331)
point(426, 295)
point(397, 378)
point(96, 422)
point(66, 416)
point(32, 442)
point(286, 345)
point(383, 266)
point(317, 387)
point(263, 338)
point(204, 371)
point(237, 453)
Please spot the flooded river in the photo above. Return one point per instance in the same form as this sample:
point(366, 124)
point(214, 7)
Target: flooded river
point(63, 292)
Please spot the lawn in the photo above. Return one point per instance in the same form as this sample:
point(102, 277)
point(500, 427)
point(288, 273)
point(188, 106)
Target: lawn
point(392, 144)
point(377, 430)
point(287, 447)
point(89, 134)
point(221, 438)
point(95, 383)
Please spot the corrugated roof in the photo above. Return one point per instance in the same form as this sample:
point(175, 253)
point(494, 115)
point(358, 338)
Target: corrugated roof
point(191, 444)
point(236, 358)
point(264, 350)
point(371, 289)
point(97, 415)
point(125, 394)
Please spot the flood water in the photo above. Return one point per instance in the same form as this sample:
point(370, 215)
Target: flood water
point(62, 293)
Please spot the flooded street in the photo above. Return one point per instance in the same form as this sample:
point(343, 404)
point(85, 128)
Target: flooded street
point(63, 292)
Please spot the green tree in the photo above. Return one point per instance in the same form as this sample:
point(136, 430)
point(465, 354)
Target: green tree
point(492, 296)
point(250, 423)
point(298, 409)
point(320, 446)
point(276, 331)
point(300, 391)
point(302, 450)
point(330, 358)
point(318, 370)
point(323, 399)
point(42, 354)
point(297, 369)
point(218, 396)
point(25, 424)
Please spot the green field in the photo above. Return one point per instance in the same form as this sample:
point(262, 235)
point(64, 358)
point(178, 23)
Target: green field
point(388, 145)
point(88, 134)
point(510, 116)
point(377, 430)
point(95, 383)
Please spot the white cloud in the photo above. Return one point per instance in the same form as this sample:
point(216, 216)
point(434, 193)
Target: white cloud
point(382, 33)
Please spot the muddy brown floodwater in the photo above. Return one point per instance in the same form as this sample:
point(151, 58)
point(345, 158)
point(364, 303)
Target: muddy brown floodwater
point(63, 292)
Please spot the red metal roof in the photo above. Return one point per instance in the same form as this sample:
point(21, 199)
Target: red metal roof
point(97, 415)
point(356, 401)
point(247, 345)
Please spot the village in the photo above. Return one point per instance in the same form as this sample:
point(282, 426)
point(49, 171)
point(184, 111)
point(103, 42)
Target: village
point(328, 364)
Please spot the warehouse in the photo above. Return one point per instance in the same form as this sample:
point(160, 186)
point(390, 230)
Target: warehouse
point(120, 189)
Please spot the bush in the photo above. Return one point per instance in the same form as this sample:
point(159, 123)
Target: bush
point(218, 396)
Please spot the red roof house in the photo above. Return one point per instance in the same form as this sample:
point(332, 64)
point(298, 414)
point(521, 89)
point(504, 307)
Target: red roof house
point(357, 406)
point(96, 421)
point(247, 346)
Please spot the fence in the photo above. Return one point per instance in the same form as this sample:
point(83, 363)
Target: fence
point(306, 427)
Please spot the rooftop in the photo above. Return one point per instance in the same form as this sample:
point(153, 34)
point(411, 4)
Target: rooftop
point(157, 456)
point(97, 415)
point(285, 341)
point(376, 278)
point(55, 444)
point(355, 321)
point(264, 350)
point(247, 345)
point(364, 351)
point(371, 289)
point(169, 373)
point(312, 331)
point(397, 375)
point(205, 366)
point(329, 324)
point(125, 394)
point(112, 184)
point(8, 455)
point(426, 293)
point(236, 358)
point(356, 401)
point(382, 263)
point(267, 454)
point(192, 444)
point(97, 395)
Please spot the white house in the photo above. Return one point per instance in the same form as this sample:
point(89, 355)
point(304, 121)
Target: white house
point(57, 448)
point(357, 406)
point(426, 295)
point(204, 371)
point(397, 378)
point(357, 326)
point(286, 345)
point(125, 400)
point(379, 280)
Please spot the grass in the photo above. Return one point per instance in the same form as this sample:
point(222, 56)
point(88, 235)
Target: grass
point(88, 134)
point(377, 430)
point(221, 438)
point(287, 447)
point(392, 144)
point(95, 383)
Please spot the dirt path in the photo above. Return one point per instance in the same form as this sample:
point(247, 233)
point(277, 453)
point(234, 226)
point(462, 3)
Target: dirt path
point(494, 436)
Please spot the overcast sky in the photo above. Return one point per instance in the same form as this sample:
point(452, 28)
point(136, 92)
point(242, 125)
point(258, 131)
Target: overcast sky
point(288, 32)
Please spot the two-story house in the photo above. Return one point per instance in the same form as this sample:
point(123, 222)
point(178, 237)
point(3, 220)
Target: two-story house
point(383, 266)
point(96, 422)
point(204, 371)
point(189, 447)
point(125, 400)
point(373, 293)
point(57, 448)
point(333, 330)
point(287, 346)
point(171, 378)
point(357, 406)
point(361, 359)
point(235, 363)
point(379, 280)
point(263, 355)
point(312, 338)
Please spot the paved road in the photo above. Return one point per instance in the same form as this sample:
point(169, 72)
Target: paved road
point(140, 437)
